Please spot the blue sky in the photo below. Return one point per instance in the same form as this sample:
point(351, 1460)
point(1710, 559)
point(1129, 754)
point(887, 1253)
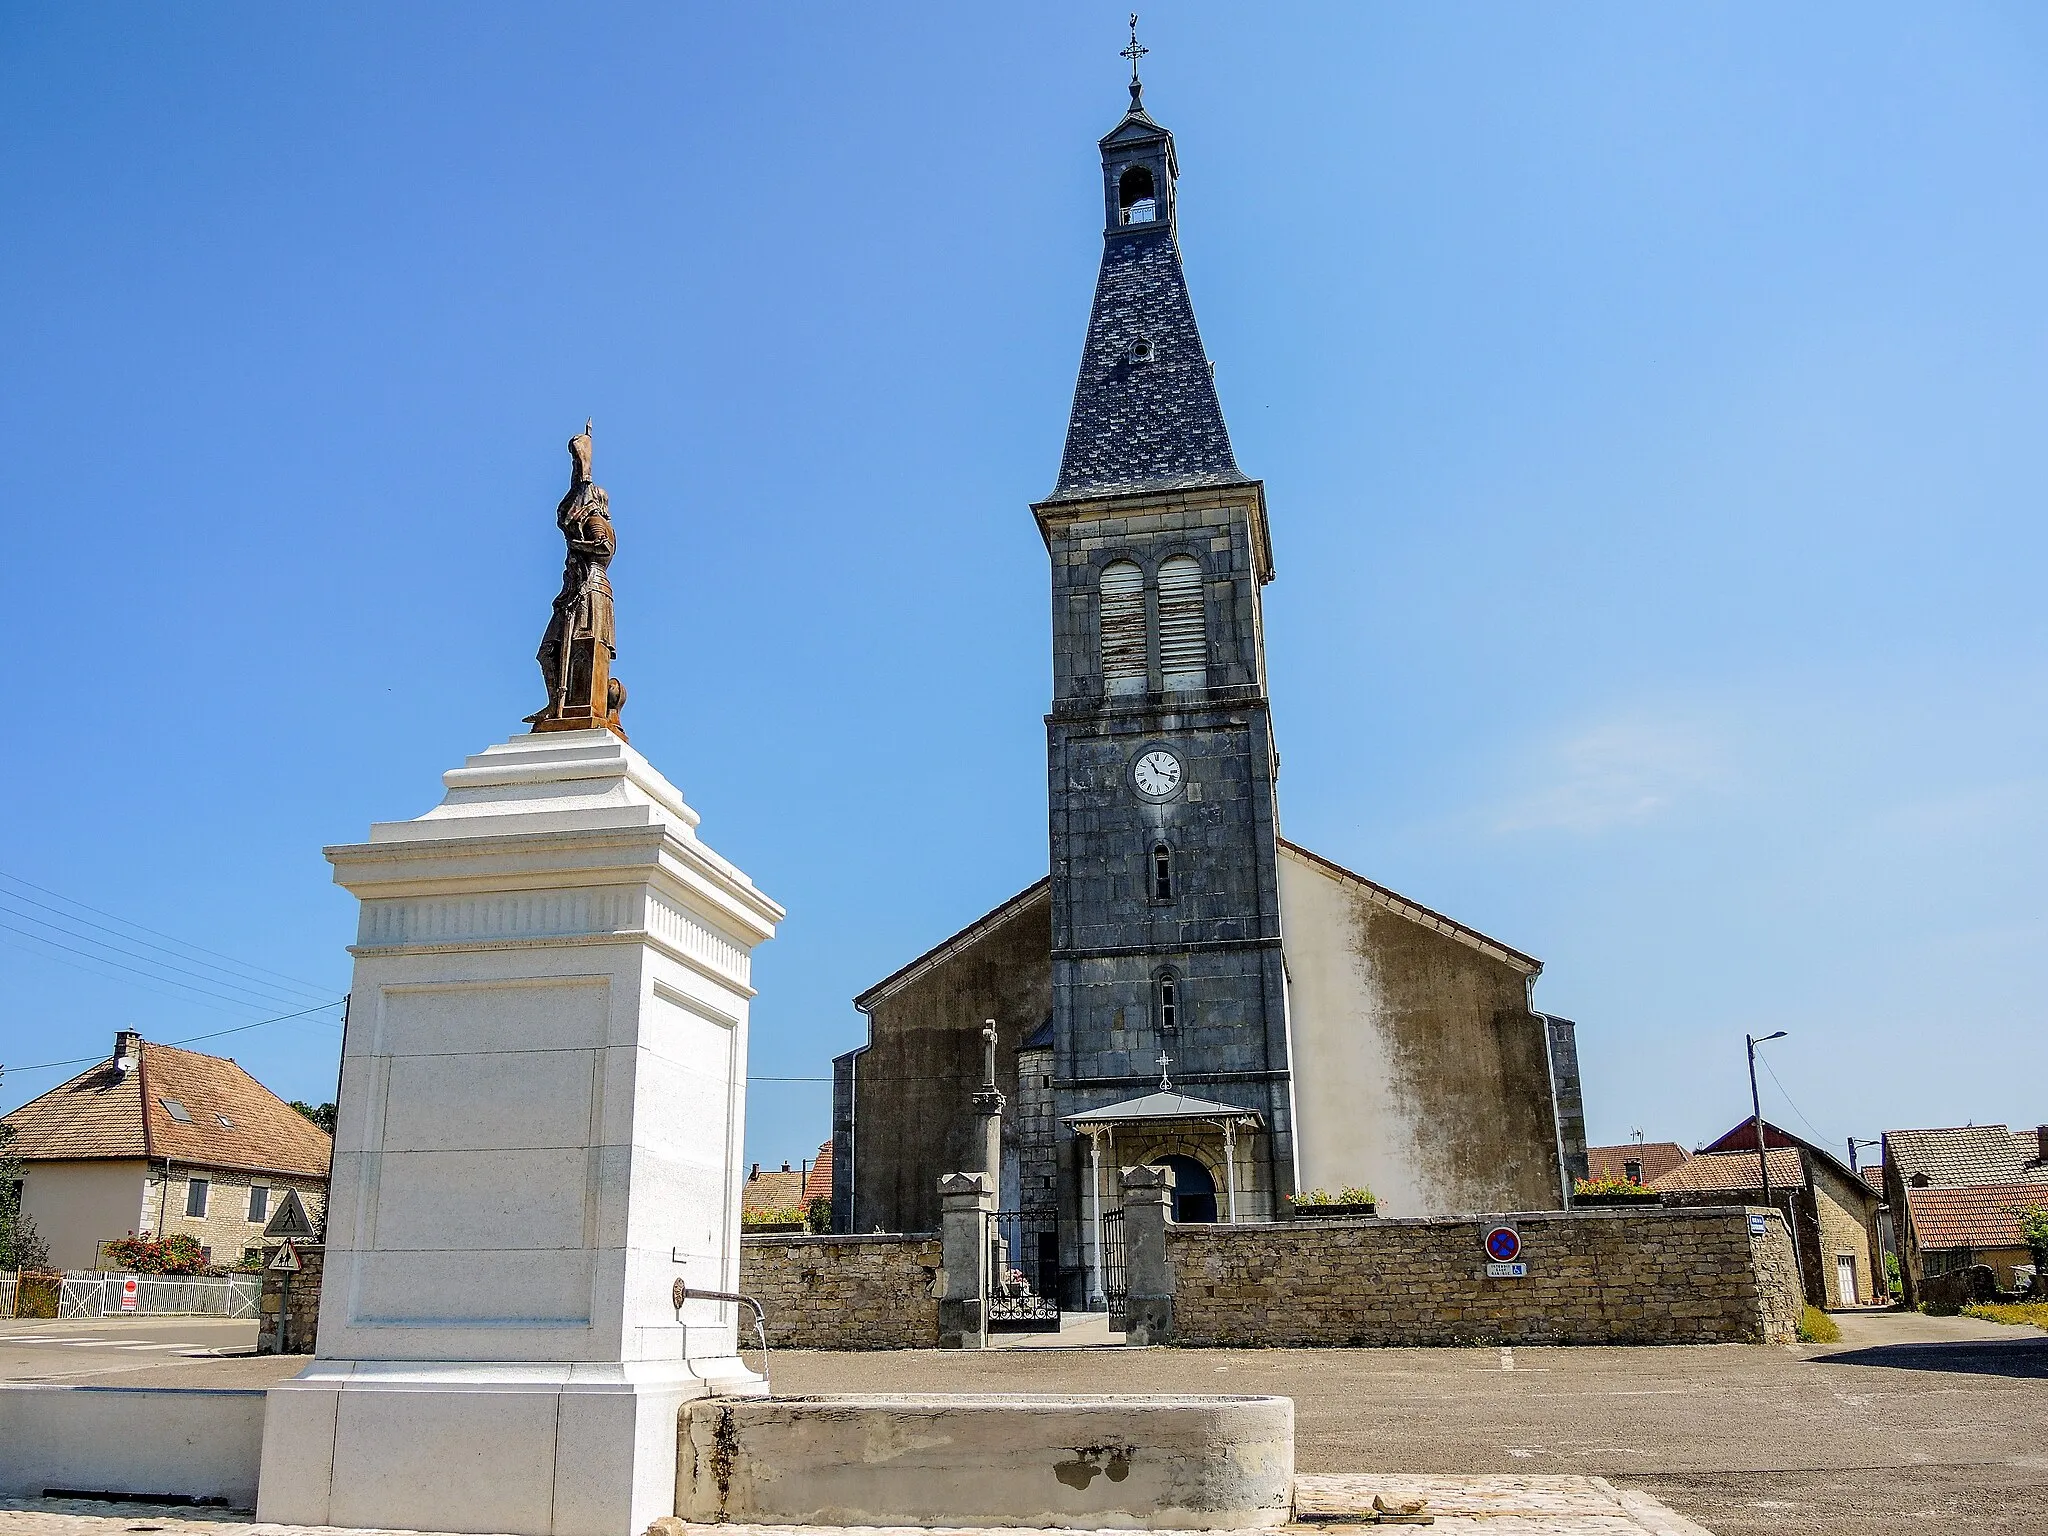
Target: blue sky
point(1650, 402)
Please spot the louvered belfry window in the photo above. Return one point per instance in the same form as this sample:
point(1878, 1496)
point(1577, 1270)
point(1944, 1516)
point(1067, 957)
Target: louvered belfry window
point(1123, 628)
point(1183, 629)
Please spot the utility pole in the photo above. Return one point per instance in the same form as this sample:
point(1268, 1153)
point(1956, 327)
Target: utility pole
point(1861, 1141)
point(1756, 1112)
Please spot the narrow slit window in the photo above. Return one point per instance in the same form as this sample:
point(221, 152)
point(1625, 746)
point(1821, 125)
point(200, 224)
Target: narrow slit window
point(1162, 872)
point(1123, 628)
point(1183, 628)
point(1167, 988)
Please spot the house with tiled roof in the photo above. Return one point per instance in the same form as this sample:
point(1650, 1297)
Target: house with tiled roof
point(1956, 1195)
point(156, 1141)
point(1833, 1213)
point(1636, 1161)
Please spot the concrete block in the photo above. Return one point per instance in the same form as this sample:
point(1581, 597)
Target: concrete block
point(204, 1443)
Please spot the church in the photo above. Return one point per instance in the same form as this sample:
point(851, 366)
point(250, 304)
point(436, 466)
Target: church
point(1185, 986)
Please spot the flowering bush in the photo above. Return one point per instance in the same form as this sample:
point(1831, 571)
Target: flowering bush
point(1350, 1194)
point(175, 1255)
point(1607, 1184)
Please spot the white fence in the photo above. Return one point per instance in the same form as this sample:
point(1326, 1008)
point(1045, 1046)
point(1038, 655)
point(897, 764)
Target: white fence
point(100, 1295)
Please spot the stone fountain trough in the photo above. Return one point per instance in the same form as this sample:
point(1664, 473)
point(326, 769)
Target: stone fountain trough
point(1127, 1463)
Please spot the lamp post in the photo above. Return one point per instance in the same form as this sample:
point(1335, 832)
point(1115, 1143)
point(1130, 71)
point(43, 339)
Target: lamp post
point(1756, 1113)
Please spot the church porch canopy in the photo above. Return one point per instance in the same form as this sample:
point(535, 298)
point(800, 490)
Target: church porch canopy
point(1163, 1107)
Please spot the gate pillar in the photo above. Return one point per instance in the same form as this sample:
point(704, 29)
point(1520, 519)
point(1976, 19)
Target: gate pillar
point(966, 1201)
point(1148, 1276)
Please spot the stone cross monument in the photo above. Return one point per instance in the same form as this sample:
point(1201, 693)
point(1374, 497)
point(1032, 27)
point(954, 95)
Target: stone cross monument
point(539, 1132)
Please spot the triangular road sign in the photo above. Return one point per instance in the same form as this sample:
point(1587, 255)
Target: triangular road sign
point(291, 1219)
point(287, 1259)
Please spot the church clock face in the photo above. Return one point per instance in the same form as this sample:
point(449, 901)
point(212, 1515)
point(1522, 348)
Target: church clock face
point(1157, 774)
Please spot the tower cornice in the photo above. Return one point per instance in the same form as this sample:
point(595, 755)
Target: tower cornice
point(1056, 513)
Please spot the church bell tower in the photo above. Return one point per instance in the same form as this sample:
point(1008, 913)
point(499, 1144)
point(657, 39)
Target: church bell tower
point(1159, 745)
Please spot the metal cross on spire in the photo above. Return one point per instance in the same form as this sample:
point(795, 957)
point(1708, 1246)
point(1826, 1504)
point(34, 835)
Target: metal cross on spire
point(1135, 52)
point(1165, 1083)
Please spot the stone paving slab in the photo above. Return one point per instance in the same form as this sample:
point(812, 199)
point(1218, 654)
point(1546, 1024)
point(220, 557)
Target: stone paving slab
point(1463, 1506)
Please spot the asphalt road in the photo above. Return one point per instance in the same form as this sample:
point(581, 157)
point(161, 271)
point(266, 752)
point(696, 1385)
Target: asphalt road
point(1913, 1422)
point(141, 1351)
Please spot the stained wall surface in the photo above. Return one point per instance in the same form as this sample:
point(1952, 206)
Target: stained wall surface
point(1420, 1072)
point(910, 1123)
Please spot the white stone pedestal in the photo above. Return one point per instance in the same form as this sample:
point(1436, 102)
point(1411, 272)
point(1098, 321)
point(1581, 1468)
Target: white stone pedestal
point(543, 1087)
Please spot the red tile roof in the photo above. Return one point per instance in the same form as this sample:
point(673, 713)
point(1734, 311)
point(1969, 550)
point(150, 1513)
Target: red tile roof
point(818, 1182)
point(1659, 1157)
point(1974, 1216)
point(1966, 1154)
point(1731, 1173)
point(772, 1191)
point(231, 1120)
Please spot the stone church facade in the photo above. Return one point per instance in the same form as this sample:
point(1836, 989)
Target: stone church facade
point(1192, 986)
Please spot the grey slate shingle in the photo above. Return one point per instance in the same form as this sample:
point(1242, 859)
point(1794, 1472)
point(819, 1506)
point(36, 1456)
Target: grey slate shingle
point(1143, 425)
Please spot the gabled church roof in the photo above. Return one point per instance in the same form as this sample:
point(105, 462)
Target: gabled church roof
point(1145, 416)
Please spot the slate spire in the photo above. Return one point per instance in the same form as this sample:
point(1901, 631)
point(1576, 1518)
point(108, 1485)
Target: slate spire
point(1145, 415)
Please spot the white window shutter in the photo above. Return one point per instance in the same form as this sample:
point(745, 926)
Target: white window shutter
point(1183, 625)
point(1123, 628)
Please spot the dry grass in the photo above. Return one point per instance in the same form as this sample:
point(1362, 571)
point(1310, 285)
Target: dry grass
point(2035, 1312)
point(1816, 1327)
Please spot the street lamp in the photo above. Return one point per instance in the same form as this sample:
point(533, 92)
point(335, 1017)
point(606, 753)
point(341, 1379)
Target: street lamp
point(1756, 1112)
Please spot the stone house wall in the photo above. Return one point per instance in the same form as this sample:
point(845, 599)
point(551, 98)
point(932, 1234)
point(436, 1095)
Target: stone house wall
point(300, 1301)
point(1846, 1223)
point(225, 1229)
point(1635, 1276)
point(844, 1292)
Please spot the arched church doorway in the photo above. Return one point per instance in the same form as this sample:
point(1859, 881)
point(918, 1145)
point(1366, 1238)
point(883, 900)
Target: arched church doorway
point(1194, 1191)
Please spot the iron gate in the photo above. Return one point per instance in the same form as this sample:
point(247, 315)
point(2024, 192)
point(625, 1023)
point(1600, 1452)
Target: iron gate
point(1023, 1270)
point(1115, 1284)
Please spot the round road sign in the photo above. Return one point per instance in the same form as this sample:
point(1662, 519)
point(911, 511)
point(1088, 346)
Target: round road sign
point(1503, 1245)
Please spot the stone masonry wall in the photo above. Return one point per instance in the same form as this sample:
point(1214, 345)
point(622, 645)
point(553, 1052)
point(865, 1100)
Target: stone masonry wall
point(1644, 1276)
point(875, 1292)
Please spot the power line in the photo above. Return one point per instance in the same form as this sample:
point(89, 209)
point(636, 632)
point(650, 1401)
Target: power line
point(239, 1002)
point(1817, 1131)
point(261, 993)
point(79, 1061)
point(243, 965)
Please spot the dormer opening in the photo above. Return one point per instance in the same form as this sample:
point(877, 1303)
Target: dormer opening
point(1136, 198)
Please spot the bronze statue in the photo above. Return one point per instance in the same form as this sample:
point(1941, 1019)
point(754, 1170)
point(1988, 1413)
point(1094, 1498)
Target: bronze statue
point(577, 651)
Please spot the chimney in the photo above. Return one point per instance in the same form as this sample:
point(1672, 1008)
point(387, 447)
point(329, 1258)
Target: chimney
point(756, 1172)
point(127, 1050)
point(2041, 1142)
point(785, 1165)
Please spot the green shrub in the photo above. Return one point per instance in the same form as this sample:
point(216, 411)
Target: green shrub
point(773, 1216)
point(818, 1214)
point(1816, 1327)
point(1350, 1194)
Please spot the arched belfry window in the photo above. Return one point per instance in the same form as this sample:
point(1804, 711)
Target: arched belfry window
point(1167, 1001)
point(1162, 872)
point(1123, 628)
point(1135, 195)
point(1183, 627)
